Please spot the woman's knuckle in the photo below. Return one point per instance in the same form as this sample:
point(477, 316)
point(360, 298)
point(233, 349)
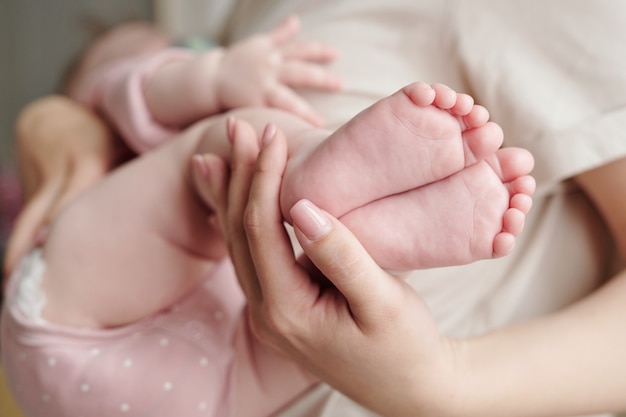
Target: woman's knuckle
point(253, 220)
point(279, 322)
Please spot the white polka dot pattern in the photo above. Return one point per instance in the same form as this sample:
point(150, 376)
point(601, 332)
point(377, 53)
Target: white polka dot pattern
point(178, 363)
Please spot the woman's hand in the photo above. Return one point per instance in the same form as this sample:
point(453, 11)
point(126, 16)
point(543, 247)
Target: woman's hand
point(62, 149)
point(349, 322)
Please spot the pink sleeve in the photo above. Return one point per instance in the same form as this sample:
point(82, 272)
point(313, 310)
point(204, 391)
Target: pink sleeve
point(118, 93)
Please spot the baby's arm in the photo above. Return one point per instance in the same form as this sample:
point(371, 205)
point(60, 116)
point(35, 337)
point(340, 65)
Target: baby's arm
point(261, 70)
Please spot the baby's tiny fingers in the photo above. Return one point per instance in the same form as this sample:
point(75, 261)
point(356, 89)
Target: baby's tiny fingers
point(311, 51)
point(285, 31)
point(284, 98)
point(299, 74)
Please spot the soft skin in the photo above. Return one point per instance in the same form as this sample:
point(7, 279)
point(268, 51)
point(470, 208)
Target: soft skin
point(348, 333)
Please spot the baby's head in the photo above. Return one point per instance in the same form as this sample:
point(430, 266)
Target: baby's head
point(120, 42)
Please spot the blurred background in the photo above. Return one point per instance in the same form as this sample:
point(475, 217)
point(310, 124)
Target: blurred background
point(38, 41)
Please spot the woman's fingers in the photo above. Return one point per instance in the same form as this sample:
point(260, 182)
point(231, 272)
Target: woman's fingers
point(339, 255)
point(210, 177)
point(244, 153)
point(334, 250)
point(280, 278)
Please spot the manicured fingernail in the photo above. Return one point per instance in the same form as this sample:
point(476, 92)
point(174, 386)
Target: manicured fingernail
point(230, 128)
point(200, 164)
point(268, 134)
point(310, 220)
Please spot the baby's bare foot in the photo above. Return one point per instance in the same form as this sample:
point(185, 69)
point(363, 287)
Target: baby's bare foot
point(474, 214)
point(419, 179)
point(418, 135)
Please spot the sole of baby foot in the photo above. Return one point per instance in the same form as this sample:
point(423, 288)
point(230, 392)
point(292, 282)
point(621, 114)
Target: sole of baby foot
point(418, 135)
point(474, 214)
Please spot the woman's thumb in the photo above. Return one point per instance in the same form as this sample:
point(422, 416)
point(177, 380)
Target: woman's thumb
point(339, 255)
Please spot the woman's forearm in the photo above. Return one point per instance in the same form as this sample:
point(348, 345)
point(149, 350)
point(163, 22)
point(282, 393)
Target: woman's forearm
point(569, 363)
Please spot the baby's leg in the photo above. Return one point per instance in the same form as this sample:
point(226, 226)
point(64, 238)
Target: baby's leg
point(418, 178)
point(138, 241)
point(141, 238)
point(416, 136)
point(131, 245)
point(472, 212)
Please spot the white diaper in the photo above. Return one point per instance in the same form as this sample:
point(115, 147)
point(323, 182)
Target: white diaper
point(30, 298)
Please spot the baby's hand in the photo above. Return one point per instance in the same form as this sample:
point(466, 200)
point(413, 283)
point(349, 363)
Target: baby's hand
point(264, 69)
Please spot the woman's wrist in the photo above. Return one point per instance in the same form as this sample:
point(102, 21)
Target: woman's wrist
point(444, 392)
point(433, 386)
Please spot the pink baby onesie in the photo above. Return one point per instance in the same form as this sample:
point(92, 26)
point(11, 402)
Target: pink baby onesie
point(116, 92)
point(195, 358)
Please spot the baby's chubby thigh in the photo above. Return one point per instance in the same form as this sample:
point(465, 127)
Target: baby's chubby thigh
point(131, 245)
